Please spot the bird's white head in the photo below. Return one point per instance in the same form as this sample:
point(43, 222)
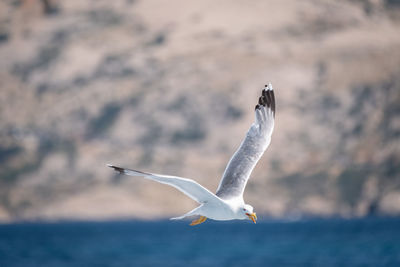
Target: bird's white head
point(248, 211)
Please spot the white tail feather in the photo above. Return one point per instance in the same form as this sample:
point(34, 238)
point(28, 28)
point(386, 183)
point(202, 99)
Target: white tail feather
point(190, 213)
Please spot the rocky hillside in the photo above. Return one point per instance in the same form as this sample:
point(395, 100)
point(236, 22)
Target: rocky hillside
point(170, 87)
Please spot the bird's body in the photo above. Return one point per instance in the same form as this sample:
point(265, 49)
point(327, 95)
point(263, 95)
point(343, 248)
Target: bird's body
point(223, 210)
point(227, 203)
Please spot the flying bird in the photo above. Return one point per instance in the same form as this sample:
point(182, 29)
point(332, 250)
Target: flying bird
point(227, 203)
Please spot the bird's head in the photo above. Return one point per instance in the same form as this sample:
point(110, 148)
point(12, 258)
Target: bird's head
point(249, 212)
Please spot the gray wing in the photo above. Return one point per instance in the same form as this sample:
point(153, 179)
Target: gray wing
point(187, 186)
point(257, 139)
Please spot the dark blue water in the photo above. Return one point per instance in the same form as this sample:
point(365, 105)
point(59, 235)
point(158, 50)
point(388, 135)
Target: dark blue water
point(363, 242)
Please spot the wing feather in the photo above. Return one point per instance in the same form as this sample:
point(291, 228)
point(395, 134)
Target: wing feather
point(257, 140)
point(187, 186)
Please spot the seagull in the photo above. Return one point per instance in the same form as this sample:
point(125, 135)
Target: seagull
point(227, 203)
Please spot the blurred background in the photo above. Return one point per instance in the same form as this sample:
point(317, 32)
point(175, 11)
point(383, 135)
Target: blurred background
point(170, 87)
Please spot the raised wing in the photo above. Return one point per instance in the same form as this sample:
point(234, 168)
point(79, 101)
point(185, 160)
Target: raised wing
point(258, 137)
point(187, 186)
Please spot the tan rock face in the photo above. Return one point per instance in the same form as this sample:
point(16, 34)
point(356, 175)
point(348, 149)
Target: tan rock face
point(170, 87)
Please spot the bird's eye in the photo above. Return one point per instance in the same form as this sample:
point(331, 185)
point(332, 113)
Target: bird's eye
point(244, 209)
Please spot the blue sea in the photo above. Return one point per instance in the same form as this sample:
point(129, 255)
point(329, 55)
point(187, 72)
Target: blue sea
point(316, 242)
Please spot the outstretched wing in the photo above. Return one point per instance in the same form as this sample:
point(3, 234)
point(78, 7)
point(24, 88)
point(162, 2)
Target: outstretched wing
point(187, 186)
point(250, 151)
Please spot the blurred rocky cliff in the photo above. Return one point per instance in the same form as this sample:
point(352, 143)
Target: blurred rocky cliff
point(170, 87)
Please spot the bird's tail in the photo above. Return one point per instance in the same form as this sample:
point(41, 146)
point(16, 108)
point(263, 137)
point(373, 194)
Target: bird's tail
point(188, 214)
point(180, 217)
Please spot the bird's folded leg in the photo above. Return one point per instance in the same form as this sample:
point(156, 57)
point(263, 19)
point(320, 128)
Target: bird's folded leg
point(199, 220)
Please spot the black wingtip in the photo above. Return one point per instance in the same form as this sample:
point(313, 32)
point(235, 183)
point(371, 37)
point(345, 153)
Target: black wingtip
point(267, 98)
point(118, 169)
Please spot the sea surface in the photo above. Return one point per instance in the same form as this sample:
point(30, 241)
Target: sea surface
point(333, 242)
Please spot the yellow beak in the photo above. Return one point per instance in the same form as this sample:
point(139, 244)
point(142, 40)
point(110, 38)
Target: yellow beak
point(252, 216)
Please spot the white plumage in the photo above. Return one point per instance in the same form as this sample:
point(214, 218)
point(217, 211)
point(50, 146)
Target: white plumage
point(227, 203)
